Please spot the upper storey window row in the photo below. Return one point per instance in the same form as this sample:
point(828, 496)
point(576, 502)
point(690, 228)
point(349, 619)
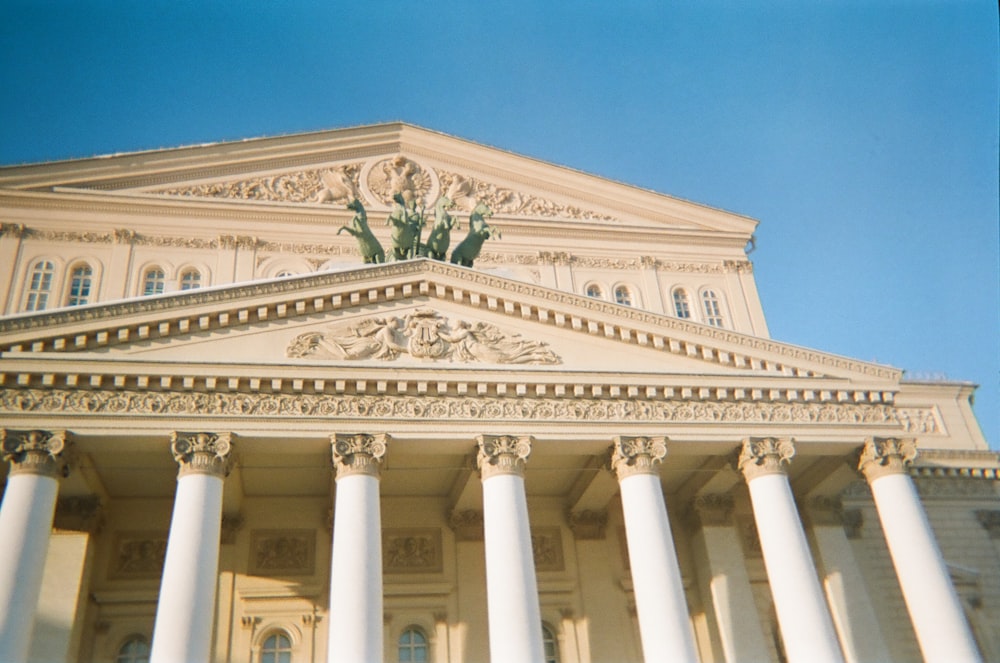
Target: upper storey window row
point(708, 308)
point(52, 283)
point(623, 293)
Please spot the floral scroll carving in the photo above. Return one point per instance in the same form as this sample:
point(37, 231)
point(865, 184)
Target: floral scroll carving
point(34, 451)
point(465, 191)
point(297, 187)
point(764, 455)
point(637, 455)
point(411, 550)
point(359, 453)
point(502, 454)
point(423, 334)
point(202, 453)
point(282, 552)
point(886, 455)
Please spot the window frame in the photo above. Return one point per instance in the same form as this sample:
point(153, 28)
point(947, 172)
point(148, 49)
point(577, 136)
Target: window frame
point(133, 657)
point(411, 646)
point(597, 287)
point(33, 293)
point(91, 280)
point(183, 286)
point(712, 307)
point(682, 292)
point(144, 281)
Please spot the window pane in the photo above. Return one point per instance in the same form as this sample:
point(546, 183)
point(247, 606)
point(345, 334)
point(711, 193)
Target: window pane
point(713, 312)
point(191, 280)
point(681, 306)
point(135, 650)
point(595, 291)
point(152, 283)
point(79, 286)
point(39, 286)
point(623, 296)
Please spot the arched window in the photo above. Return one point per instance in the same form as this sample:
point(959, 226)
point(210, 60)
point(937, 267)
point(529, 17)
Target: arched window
point(153, 281)
point(283, 273)
point(594, 290)
point(713, 312)
point(40, 285)
point(80, 281)
point(134, 650)
point(413, 646)
point(623, 295)
point(682, 307)
point(550, 645)
point(190, 279)
point(277, 648)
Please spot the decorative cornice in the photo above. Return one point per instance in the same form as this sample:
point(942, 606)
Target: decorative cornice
point(637, 455)
point(588, 525)
point(502, 454)
point(15, 230)
point(881, 456)
point(955, 488)
point(510, 294)
point(171, 404)
point(34, 452)
point(712, 510)
point(358, 453)
point(202, 453)
point(990, 520)
point(760, 456)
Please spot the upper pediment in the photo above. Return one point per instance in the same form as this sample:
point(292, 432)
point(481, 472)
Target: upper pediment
point(327, 169)
point(418, 314)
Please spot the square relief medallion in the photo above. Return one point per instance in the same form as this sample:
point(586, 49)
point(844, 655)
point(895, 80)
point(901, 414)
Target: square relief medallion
point(411, 550)
point(138, 555)
point(282, 552)
point(546, 546)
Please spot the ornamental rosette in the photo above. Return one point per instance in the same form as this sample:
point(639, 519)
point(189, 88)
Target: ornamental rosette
point(202, 453)
point(502, 454)
point(358, 453)
point(886, 455)
point(764, 455)
point(637, 455)
point(34, 451)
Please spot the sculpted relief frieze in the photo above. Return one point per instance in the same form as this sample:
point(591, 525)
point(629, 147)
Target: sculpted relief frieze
point(423, 334)
point(307, 186)
point(466, 191)
point(105, 402)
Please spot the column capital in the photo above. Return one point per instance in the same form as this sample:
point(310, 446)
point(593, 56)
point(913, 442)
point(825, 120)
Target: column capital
point(881, 456)
point(637, 455)
point(764, 455)
point(358, 453)
point(502, 454)
point(34, 452)
point(202, 453)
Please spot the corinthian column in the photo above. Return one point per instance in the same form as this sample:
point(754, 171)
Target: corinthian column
point(29, 505)
point(511, 588)
point(185, 612)
point(942, 630)
point(806, 627)
point(356, 568)
point(664, 624)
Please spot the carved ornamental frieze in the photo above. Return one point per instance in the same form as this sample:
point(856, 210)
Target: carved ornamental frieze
point(306, 186)
point(502, 454)
point(138, 555)
point(412, 550)
point(34, 452)
point(465, 191)
point(764, 455)
point(202, 453)
point(282, 552)
point(637, 455)
point(423, 334)
point(886, 455)
point(358, 453)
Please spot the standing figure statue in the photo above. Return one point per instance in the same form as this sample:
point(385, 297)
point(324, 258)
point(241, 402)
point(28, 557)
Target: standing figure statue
point(407, 223)
point(371, 249)
point(440, 235)
point(479, 231)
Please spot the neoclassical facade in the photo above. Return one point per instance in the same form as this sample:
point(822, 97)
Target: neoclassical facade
point(246, 418)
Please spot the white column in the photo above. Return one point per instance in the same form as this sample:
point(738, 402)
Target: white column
point(664, 624)
point(806, 628)
point(29, 504)
point(185, 612)
point(938, 620)
point(356, 616)
point(511, 588)
point(723, 574)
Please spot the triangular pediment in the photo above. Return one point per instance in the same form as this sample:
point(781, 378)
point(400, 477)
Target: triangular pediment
point(325, 170)
point(419, 314)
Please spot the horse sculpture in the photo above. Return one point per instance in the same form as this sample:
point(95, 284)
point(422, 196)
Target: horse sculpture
point(479, 231)
point(371, 249)
point(406, 224)
point(440, 235)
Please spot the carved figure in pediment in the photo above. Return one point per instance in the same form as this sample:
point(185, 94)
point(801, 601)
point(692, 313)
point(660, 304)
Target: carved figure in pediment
point(479, 231)
point(407, 223)
point(372, 338)
point(399, 176)
point(338, 185)
point(368, 244)
point(440, 236)
point(481, 341)
point(462, 191)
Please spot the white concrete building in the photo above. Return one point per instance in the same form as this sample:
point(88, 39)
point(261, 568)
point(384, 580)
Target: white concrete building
point(229, 439)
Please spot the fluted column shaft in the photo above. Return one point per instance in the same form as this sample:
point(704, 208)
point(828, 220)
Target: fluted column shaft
point(511, 588)
point(806, 627)
point(356, 616)
point(942, 631)
point(664, 624)
point(185, 612)
point(29, 504)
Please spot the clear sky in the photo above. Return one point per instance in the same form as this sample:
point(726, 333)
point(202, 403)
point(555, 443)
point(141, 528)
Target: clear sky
point(862, 135)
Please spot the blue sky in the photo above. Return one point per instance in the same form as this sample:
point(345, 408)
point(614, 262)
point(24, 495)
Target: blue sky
point(863, 135)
